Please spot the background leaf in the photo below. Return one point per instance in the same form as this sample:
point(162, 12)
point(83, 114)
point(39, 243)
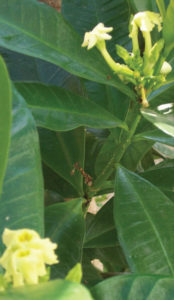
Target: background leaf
point(144, 221)
point(65, 226)
point(134, 287)
point(61, 150)
point(162, 176)
point(21, 204)
point(58, 109)
point(5, 118)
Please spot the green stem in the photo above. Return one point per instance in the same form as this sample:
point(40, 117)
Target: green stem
point(120, 69)
point(117, 155)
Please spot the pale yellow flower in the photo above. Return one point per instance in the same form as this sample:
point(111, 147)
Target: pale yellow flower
point(98, 34)
point(147, 20)
point(166, 68)
point(26, 256)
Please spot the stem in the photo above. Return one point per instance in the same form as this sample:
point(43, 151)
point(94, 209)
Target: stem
point(120, 70)
point(135, 43)
point(117, 155)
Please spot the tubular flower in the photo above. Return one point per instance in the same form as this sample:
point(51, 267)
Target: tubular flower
point(26, 256)
point(98, 34)
point(147, 20)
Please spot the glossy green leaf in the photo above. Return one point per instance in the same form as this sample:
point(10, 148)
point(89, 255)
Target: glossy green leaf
point(21, 204)
point(61, 150)
point(49, 37)
point(5, 118)
point(168, 25)
point(162, 117)
point(100, 230)
point(164, 150)
point(114, 13)
point(58, 109)
point(162, 95)
point(75, 274)
point(55, 183)
point(145, 224)
point(135, 153)
point(135, 287)
point(53, 290)
point(162, 176)
point(65, 226)
point(156, 136)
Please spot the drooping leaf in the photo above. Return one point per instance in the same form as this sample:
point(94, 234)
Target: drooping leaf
point(5, 118)
point(162, 117)
point(65, 226)
point(49, 37)
point(145, 224)
point(61, 150)
point(21, 204)
point(58, 109)
point(134, 287)
point(53, 290)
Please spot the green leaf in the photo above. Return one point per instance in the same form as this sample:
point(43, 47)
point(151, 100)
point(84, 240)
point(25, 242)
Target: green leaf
point(58, 109)
point(161, 7)
point(21, 204)
point(164, 150)
point(100, 230)
point(134, 287)
point(51, 38)
point(162, 95)
point(53, 290)
point(162, 117)
point(145, 224)
point(75, 274)
point(135, 153)
point(61, 150)
point(137, 5)
point(65, 226)
point(162, 176)
point(55, 183)
point(156, 136)
point(5, 118)
point(168, 25)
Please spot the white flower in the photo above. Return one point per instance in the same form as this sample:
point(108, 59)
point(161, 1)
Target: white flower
point(99, 33)
point(26, 256)
point(147, 20)
point(166, 68)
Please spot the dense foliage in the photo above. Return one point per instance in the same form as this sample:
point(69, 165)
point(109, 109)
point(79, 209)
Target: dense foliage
point(72, 130)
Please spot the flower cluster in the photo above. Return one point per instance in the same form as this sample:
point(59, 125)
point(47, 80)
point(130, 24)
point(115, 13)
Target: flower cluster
point(147, 71)
point(26, 256)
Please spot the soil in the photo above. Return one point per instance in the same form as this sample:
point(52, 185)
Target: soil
point(54, 3)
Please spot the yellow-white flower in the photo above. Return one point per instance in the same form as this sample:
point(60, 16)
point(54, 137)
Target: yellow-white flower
point(166, 68)
point(98, 34)
point(146, 21)
point(26, 256)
